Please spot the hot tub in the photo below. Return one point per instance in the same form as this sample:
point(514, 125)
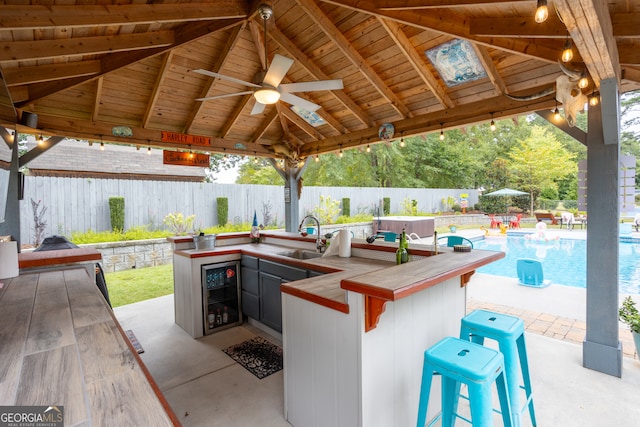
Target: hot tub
point(422, 226)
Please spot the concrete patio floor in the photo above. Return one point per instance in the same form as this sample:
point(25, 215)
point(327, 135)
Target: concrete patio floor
point(205, 387)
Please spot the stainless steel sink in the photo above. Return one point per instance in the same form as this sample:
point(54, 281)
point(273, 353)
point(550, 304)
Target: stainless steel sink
point(300, 254)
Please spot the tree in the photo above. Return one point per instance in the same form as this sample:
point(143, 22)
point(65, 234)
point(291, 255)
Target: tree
point(538, 162)
point(258, 171)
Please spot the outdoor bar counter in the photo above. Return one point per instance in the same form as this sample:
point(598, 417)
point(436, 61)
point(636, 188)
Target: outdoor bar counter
point(60, 345)
point(354, 338)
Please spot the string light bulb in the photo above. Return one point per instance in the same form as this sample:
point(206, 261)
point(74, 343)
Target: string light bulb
point(402, 144)
point(556, 113)
point(102, 146)
point(441, 132)
point(340, 153)
point(368, 149)
point(225, 154)
point(492, 125)
point(594, 99)
point(542, 12)
point(567, 53)
point(317, 158)
point(40, 140)
point(148, 151)
point(584, 81)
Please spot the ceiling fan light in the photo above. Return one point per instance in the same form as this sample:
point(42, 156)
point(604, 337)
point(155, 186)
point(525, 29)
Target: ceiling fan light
point(542, 12)
point(266, 96)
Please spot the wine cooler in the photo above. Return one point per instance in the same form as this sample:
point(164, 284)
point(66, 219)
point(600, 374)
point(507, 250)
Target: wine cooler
point(221, 296)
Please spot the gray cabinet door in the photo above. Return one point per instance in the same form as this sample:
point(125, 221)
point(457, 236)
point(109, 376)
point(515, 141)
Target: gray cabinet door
point(251, 305)
point(270, 301)
point(250, 281)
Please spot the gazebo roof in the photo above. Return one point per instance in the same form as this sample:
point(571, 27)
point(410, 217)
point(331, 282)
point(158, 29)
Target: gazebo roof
point(100, 70)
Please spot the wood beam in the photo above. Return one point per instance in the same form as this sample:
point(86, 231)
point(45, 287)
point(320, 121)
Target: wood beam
point(47, 49)
point(435, 4)
point(351, 53)
point(476, 112)
point(217, 66)
point(264, 125)
point(594, 42)
point(116, 61)
point(153, 99)
point(96, 102)
point(45, 73)
point(317, 72)
point(235, 115)
point(96, 131)
point(449, 22)
point(490, 68)
point(13, 17)
point(574, 132)
point(416, 60)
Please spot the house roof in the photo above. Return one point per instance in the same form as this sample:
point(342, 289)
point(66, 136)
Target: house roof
point(78, 159)
point(101, 69)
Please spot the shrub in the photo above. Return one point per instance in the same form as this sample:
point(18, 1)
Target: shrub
point(346, 206)
point(456, 208)
point(386, 205)
point(327, 210)
point(116, 211)
point(222, 204)
point(178, 224)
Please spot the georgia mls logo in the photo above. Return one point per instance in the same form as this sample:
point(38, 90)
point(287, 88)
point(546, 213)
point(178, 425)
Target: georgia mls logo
point(31, 416)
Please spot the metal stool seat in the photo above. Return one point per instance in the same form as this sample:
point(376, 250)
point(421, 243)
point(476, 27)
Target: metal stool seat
point(508, 331)
point(463, 362)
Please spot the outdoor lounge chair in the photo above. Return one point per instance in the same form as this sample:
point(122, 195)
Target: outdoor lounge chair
point(569, 219)
point(515, 223)
point(495, 223)
point(530, 273)
point(546, 215)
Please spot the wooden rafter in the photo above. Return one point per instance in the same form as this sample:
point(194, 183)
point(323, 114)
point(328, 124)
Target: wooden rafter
point(15, 76)
point(433, 4)
point(153, 99)
point(317, 72)
point(354, 56)
point(264, 125)
point(47, 49)
point(449, 22)
point(71, 16)
point(490, 68)
point(416, 60)
point(96, 103)
point(217, 66)
point(116, 61)
point(595, 43)
point(235, 115)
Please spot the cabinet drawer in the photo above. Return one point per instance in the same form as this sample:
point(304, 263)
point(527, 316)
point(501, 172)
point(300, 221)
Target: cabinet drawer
point(284, 271)
point(249, 261)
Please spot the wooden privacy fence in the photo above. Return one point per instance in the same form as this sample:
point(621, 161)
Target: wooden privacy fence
point(82, 204)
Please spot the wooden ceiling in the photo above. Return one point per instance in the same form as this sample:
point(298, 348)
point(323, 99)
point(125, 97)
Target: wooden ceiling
point(87, 66)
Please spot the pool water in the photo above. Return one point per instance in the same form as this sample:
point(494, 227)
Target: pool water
point(563, 261)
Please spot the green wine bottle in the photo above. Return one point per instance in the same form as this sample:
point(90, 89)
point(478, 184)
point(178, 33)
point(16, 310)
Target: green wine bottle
point(402, 255)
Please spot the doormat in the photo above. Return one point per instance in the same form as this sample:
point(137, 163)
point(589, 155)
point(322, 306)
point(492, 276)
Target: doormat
point(257, 355)
point(134, 341)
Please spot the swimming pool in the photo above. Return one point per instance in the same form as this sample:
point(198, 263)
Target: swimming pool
point(563, 261)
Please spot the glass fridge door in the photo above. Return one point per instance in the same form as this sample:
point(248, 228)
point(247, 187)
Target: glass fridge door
point(221, 296)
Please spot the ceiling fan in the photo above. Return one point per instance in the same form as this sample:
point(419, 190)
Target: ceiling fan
point(267, 90)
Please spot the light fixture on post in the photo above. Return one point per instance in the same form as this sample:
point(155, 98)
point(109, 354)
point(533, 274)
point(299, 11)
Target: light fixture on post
point(492, 125)
point(567, 53)
point(441, 132)
point(542, 12)
point(594, 99)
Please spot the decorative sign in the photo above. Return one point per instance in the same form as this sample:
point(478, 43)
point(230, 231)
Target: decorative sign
point(386, 131)
point(456, 62)
point(185, 159)
point(182, 138)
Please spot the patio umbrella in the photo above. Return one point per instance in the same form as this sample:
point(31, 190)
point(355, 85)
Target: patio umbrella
point(506, 192)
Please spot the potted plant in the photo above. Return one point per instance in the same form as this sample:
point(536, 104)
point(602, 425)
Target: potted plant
point(629, 315)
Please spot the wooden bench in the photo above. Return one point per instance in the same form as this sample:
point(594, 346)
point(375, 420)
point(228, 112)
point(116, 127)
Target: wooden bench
point(546, 215)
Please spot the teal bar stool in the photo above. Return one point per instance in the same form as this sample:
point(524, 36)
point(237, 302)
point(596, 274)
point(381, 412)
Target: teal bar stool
point(508, 331)
point(463, 362)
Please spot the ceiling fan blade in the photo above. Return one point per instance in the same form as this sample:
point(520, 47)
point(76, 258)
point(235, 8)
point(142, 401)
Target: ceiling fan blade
point(223, 77)
point(311, 86)
point(299, 102)
point(258, 108)
point(277, 70)
point(226, 95)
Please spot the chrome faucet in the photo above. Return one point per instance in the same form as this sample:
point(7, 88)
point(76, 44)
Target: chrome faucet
point(319, 244)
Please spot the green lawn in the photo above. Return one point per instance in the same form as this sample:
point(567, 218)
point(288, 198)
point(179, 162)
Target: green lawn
point(129, 286)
